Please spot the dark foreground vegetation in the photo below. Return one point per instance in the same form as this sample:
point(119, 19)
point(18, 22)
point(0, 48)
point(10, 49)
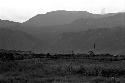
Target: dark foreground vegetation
point(28, 67)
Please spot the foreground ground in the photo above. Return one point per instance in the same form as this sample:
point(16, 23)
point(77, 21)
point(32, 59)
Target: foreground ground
point(47, 70)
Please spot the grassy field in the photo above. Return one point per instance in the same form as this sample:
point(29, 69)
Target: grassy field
point(47, 70)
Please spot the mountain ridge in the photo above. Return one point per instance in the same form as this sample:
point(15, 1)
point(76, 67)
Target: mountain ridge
point(66, 36)
point(16, 39)
point(60, 17)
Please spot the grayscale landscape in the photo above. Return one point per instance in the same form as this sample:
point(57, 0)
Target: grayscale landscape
point(62, 46)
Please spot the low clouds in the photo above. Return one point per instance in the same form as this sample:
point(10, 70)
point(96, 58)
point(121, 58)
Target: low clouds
point(21, 10)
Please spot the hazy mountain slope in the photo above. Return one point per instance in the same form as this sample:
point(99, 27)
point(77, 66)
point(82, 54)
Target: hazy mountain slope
point(60, 17)
point(111, 39)
point(110, 20)
point(15, 39)
point(9, 24)
point(79, 34)
point(92, 23)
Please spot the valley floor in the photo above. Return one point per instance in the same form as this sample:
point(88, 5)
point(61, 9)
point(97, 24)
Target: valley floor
point(46, 70)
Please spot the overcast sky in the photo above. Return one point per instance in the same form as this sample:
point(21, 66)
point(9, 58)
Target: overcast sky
point(21, 10)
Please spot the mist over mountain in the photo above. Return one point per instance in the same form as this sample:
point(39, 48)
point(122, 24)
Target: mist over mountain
point(106, 39)
point(59, 17)
point(92, 21)
point(80, 21)
point(8, 24)
point(15, 39)
point(64, 30)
